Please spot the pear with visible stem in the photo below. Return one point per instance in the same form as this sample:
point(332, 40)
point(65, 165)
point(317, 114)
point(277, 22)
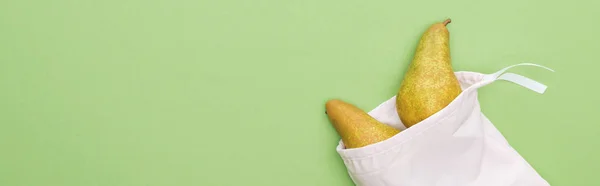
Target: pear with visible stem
point(356, 127)
point(429, 84)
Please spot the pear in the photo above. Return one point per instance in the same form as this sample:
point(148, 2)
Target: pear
point(429, 84)
point(356, 127)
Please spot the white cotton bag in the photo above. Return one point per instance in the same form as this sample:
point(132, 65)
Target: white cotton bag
point(457, 146)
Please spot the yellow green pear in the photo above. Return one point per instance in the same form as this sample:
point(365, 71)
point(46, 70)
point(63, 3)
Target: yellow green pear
point(429, 84)
point(356, 127)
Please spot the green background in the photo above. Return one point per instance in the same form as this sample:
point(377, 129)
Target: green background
point(232, 92)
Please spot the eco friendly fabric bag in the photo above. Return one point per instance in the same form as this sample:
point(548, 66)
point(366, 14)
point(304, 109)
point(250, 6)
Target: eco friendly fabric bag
point(458, 146)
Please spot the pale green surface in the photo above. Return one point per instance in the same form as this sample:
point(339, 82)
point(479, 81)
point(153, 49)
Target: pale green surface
point(128, 93)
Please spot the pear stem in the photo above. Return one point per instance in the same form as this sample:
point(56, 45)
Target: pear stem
point(446, 22)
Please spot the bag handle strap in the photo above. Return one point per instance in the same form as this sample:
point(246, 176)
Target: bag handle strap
point(518, 79)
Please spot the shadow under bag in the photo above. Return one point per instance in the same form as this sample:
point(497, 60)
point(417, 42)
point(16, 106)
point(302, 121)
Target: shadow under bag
point(457, 146)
